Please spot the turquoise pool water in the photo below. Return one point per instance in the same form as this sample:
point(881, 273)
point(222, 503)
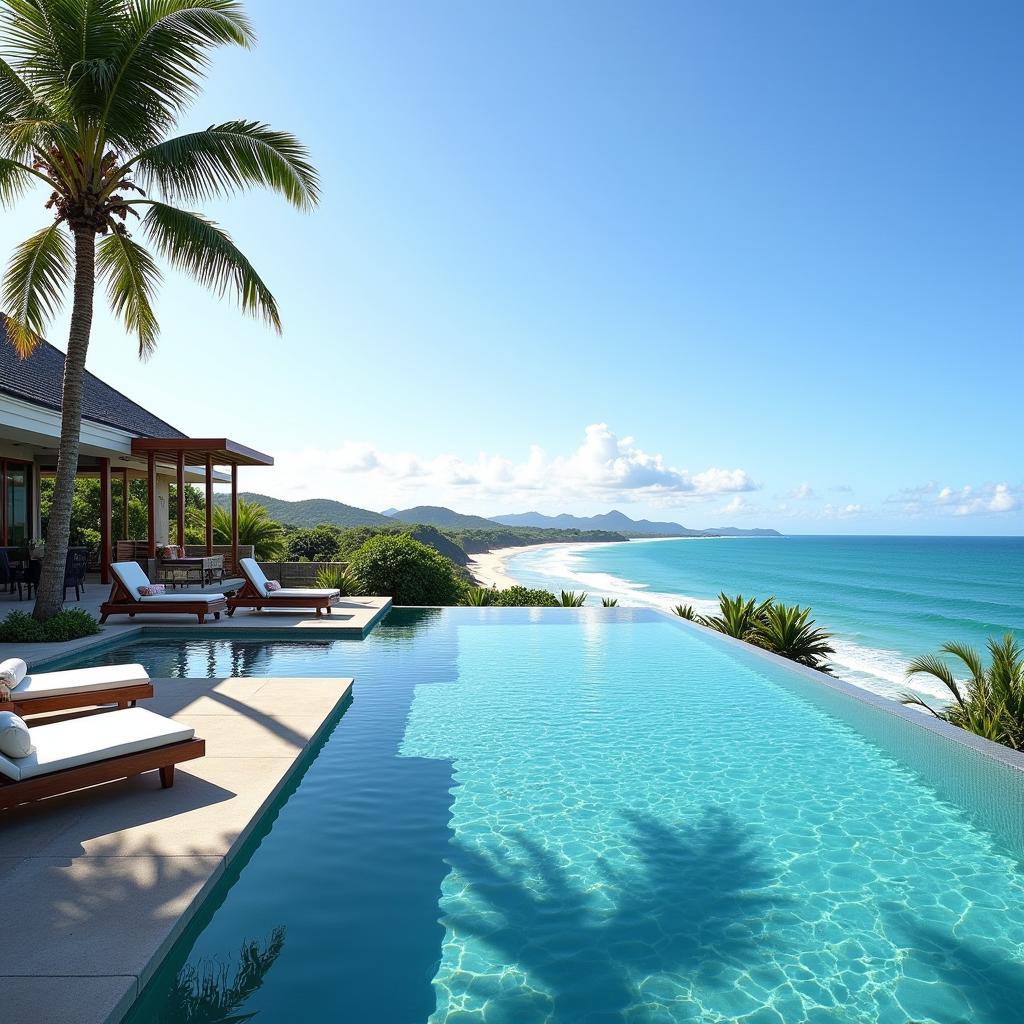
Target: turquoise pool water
point(602, 816)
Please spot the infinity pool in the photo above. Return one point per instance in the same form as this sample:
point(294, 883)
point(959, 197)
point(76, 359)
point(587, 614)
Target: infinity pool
point(551, 817)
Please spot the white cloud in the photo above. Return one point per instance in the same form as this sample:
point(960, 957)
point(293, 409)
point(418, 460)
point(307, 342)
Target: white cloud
point(831, 511)
point(605, 467)
point(966, 500)
point(801, 493)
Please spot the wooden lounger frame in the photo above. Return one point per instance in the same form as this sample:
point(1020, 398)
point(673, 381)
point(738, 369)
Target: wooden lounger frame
point(250, 597)
point(121, 602)
point(122, 696)
point(125, 766)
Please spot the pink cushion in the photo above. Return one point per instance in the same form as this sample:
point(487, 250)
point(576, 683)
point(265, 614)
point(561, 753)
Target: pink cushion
point(153, 590)
point(173, 551)
point(273, 585)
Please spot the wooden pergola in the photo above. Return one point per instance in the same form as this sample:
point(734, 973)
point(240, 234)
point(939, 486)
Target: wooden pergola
point(208, 453)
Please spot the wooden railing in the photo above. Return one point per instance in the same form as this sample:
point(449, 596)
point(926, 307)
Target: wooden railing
point(138, 551)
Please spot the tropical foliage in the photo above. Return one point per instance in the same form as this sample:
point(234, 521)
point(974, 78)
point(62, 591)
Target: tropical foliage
point(524, 597)
point(338, 577)
point(477, 597)
point(70, 624)
point(786, 630)
point(90, 94)
point(399, 567)
point(572, 599)
point(319, 544)
point(609, 602)
point(255, 527)
point(989, 701)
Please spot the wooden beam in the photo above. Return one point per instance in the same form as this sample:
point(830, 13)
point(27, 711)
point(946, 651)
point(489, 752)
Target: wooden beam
point(209, 505)
point(181, 500)
point(106, 527)
point(234, 517)
point(151, 502)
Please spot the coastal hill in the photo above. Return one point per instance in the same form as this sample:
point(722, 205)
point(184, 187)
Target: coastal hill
point(621, 523)
point(312, 511)
point(442, 518)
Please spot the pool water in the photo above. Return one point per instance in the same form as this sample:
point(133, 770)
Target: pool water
point(601, 816)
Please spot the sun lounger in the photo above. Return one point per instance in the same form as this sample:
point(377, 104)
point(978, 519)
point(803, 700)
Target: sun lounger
point(81, 752)
point(39, 692)
point(254, 593)
point(126, 598)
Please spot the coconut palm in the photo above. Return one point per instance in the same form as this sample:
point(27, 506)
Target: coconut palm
point(990, 701)
point(790, 631)
point(255, 527)
point(90, 92)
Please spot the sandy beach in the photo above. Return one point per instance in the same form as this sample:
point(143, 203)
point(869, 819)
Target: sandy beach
point(488, 567)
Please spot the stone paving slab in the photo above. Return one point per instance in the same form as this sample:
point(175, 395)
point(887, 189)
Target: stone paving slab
point(102, 882)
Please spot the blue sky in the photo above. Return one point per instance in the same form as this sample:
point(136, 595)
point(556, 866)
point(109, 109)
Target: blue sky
point(720, 262)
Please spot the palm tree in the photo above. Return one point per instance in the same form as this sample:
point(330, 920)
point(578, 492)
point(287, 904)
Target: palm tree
point(990, 702)
point(789, 630)
point(89, 92)
point(255, 527)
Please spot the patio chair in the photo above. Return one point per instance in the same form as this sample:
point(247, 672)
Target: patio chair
point(127, 598)
point(41, 692)
point(75, 567)
point(12, 576)
point(81, 752)
point(256, 594)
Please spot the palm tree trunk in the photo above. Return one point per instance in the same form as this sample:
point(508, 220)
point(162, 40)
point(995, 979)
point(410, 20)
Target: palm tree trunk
point(50, 594)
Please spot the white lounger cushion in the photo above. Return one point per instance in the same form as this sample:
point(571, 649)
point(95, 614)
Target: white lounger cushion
point(302, 592)
point(15, 739)
point(14, 667)
point(256, 576)
point(132, 576)
point(82, 741)
point(79, 680)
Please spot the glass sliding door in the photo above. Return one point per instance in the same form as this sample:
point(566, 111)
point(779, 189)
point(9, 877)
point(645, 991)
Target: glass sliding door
point(16, 480)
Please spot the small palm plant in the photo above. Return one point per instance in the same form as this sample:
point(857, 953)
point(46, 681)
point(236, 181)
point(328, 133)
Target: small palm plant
point(738, 617)
point(609, 602)
point(686, 611)
point(477, 597)
point(990, 701)
point(255, 527)
point(789, 630)
point(572, 599)
point(336, 576)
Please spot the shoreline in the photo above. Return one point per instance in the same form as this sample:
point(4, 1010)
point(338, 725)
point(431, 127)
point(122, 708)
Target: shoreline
point(488, 567)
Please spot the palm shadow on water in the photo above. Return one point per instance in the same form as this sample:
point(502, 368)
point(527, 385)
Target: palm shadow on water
point(693, 899)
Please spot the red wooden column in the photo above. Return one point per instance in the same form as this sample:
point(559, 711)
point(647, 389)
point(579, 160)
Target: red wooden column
point(181, 500)
point(209, 505)
point(234, 516)
point(151, 502)
point(105, 525)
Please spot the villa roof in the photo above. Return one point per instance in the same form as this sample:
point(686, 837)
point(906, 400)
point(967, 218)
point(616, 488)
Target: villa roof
point(38, 380)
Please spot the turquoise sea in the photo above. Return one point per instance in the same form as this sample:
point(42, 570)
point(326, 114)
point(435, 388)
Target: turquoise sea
point(886, 599)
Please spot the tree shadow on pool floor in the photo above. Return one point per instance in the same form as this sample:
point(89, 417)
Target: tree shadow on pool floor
point(690, 899)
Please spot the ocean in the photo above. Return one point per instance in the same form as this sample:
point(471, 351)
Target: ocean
point(884, 599)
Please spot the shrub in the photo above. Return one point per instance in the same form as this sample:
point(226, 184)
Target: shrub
point(320, 544)
point(338, 577)
point(21, 628)
point(405, 570)
point(685, 611)
point(524, 597)
point(609, 602)
point(790, 631)
point(477, 597)
point(571, 599)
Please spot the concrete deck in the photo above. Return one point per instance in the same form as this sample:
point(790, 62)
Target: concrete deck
point(99, 884)
point(351, 617)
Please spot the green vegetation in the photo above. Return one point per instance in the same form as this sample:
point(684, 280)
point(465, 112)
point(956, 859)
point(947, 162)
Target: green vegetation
point(475, 540)
point(990, 701)
point(338, 577)
point(405, 570)
point(609, 602)
point(442, 518)
point(22, 628)
point(90, 96)
point(786, 630)
point(318, 544)
point(523, 597)
point(571, 599)
point(255, 527)
point(312, 512)
point(477, 597)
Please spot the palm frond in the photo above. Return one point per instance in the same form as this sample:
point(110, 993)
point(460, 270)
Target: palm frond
point(934, 666)
point(205, 252)
point(36, 278)
point(14, 90)
point(969, 656)
point(165, 53)
point(132, 278)
point(230, 156)
point(14, 181)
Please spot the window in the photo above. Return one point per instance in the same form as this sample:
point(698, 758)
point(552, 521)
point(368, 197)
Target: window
point(16, 504)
